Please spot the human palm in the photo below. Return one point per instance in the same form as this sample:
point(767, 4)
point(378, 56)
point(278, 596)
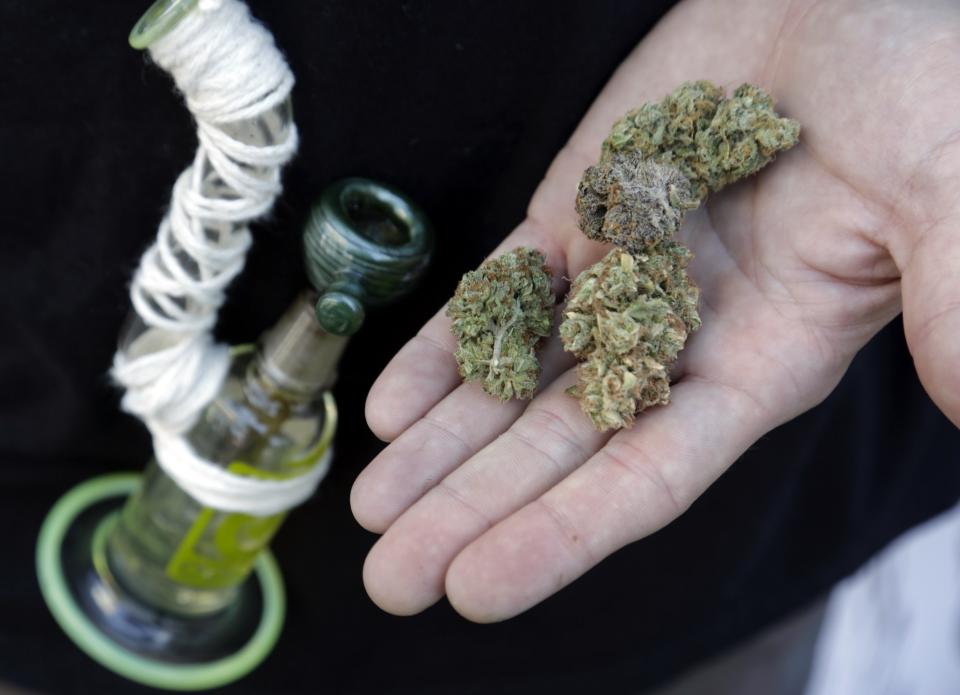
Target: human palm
point(500, 505)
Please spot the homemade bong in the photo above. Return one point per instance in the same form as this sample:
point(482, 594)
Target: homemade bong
point(174, 586)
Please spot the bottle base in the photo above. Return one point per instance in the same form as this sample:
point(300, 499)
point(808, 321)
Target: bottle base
point(129, 638)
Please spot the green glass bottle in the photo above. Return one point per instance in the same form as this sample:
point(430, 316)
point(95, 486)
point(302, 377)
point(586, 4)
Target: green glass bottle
point(274, 419)
point(173, 592)
point(168, 572)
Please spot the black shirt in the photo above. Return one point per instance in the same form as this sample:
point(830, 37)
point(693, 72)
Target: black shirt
point(462, 105)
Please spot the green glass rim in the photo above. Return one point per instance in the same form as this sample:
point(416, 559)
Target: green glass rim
point(334, 198)
point(342, 259)
point(135, 667)
point(158, 20)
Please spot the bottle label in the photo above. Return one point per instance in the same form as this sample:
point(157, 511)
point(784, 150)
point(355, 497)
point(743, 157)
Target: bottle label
point(220, 548)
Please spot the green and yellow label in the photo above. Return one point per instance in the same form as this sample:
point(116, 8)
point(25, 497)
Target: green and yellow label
point(220, 548)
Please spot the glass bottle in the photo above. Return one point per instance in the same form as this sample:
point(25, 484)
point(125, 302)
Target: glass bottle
point(273, 419)
point(160, 591)
point(166, 574)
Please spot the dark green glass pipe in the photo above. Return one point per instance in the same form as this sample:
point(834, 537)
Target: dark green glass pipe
point(365, 245)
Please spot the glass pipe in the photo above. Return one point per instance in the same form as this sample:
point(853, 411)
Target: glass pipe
point(161, 591)
point(263, 418)
point(273, 419)
point(168, 571)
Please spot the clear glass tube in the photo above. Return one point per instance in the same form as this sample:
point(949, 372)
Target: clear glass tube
point(270, 128)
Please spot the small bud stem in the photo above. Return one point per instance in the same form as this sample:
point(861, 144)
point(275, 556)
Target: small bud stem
point(500, 312)
point(501, 332)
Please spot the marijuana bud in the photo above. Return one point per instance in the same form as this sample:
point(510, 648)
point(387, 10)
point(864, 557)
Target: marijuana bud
point(627, 317)
point(631, 201)
point(667, 132)
point(500, 313)
point(712, 141)
point(613, 393)
point(744, 136)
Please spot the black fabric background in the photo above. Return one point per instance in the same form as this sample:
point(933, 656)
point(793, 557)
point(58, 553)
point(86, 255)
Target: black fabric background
point(462, 105)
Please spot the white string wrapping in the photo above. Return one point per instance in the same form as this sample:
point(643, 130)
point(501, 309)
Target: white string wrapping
point(229, 71)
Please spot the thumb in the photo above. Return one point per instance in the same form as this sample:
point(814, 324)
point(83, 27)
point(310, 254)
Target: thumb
point(931, 312)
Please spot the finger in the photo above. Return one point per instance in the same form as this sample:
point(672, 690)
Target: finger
point(640, 481)
point(455, 429)
point(404, 572)
point(424, 371)
point(450, 433)
point(931, 314)
point(419, 375)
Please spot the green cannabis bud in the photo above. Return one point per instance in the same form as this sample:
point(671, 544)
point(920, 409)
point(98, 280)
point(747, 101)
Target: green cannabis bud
point(500, 313)
point(628, 316)
point(626, 319)
point(632, 202)
point(712, 141)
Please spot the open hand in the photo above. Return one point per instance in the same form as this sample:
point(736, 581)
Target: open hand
point(501, 505)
